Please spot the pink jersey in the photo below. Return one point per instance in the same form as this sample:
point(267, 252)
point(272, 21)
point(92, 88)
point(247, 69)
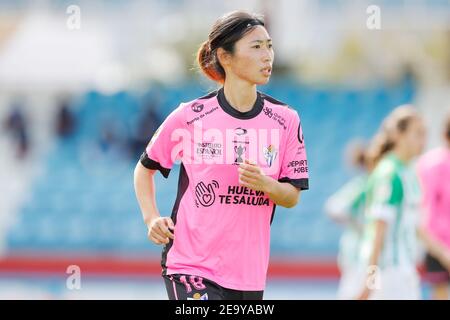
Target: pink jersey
point(434, 173)
point(222, 229)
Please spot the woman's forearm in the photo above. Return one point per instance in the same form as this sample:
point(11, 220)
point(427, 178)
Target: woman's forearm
point(380, 230)
point(144, 187)
point(282, 194)
point(371, 272)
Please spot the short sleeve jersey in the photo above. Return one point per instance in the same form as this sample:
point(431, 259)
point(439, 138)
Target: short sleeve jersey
point(393, 195)
point(434, 173)
point(222, 229)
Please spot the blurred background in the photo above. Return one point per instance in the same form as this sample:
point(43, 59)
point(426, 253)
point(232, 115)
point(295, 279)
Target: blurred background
point(84, 84)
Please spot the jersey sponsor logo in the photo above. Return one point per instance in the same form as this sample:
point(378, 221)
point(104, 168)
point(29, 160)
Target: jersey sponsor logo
point(300, 150)
point(275, 116)
point(300, 136)
point(239, 150)
point(270, 153)
point(205, 193)
point(201, 116)
point(197, 107)
point(206, 196)
point(209, 150)
point(268, 112)
point(198, 296)
point(301, 139)
point(240, 131)
point(240, 142)
point(300, 166)
point(211, 111)
point(243, 195)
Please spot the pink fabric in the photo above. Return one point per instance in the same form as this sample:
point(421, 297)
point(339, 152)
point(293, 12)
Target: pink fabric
point(434, 173)
point(222, 230)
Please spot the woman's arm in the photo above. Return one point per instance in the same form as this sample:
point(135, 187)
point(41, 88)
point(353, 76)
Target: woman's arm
point(144, 186)
point(346, 204)
point(282, 194)
point(380, 231)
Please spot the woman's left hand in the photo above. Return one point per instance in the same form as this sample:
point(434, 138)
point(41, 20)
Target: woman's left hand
point(252, 176)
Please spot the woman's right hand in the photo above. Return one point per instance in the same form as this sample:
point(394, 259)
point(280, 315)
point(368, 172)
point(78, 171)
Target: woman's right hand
point(159, 230)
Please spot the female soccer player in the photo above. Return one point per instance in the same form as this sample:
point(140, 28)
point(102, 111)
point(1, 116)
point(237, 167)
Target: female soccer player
point(242, 153)
point(434, 173)
point(346, 206)
point(393, 197)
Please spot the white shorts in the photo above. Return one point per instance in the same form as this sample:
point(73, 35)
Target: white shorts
point(351, 283)
point(397, 283)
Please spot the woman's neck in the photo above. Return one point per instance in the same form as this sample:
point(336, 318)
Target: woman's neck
point(240, 94)
point(402, 154)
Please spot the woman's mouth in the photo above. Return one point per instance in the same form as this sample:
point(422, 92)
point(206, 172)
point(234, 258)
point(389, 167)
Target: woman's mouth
point(267, 71)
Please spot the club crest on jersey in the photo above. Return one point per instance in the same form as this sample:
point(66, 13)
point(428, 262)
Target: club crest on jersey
point(270, 154)
point(198, 296)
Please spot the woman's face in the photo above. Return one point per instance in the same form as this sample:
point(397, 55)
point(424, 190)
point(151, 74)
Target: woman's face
point(253, 57)
point(415, 137)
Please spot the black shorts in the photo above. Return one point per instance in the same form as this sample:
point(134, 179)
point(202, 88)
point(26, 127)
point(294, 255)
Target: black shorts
point(188, 287)
point(436, 273)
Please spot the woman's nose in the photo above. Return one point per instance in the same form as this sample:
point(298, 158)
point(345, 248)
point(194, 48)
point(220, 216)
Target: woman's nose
point(267, 55)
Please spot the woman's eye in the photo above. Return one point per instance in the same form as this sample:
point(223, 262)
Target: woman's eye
point(270, 46)
point(257, 46)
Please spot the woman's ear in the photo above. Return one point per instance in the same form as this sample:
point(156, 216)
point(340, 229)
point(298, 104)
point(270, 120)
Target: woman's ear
point(224, 57)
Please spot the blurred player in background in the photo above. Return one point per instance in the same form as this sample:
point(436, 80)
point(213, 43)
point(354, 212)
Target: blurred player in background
point(434, 173)
point(347, 206)
point(393, 197)
point(217, 239)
